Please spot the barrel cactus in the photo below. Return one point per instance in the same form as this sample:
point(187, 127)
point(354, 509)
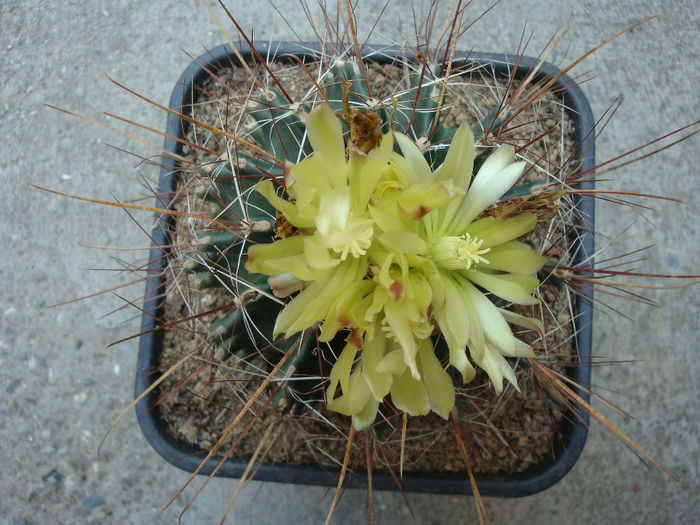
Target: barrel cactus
point(363, 226)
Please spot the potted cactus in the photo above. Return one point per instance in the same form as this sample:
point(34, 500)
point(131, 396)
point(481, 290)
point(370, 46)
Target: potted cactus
point(354, 259)
point(354, 248)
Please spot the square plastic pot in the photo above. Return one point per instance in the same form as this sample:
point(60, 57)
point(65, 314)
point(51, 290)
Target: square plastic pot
point(183, 455)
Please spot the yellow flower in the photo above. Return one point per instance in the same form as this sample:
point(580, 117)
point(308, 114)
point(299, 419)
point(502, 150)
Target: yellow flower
point(329, 202)
point(460, 256)
point(391, 249)
point(382, 371)
point(328, 194)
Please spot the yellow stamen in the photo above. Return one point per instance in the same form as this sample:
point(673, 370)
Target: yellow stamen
point(458, 252)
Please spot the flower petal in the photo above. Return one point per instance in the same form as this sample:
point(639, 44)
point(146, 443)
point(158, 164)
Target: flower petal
point(315, 303)
point(511, 287)
point(379, 383)
point(284, 284)
point(476, 338)
point(410, 395)
point(317, 255)
point(392, 362)
point(387, 217)
point(296, 311)
point(495, 327)
point(459, 160)
point(495, 163)
point(523, 321)
point(283, 256)
point(438, 383)
point(420, 171)
point(497, 368)
point(355, 237)
point(401, 329)
point(495, 178)
point(333, 211)
point(340, 374)
point(367, 415)
point(421, 198)
point(453, 321)
point(492, 190)
point(326, 136)
point(498, 231)
point(356, 401)
point(403, 241)
point(515, 257)
point(522, 349)
point(367, 170)
point(299, 218)
point(340, 314)
point(308, 179)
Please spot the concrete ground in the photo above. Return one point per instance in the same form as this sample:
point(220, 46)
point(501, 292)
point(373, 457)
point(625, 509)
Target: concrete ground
point(61, 386)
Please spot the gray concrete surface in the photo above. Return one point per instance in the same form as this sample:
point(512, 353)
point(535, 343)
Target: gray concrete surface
point(61, 386)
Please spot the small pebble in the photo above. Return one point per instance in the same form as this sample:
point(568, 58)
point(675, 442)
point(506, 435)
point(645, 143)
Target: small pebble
point(80, 397)
point(13, 386)
point(92, 501)
point(51, 477)
point(40, 360)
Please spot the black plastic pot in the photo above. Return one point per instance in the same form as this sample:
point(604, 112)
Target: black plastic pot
point(186, 457)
